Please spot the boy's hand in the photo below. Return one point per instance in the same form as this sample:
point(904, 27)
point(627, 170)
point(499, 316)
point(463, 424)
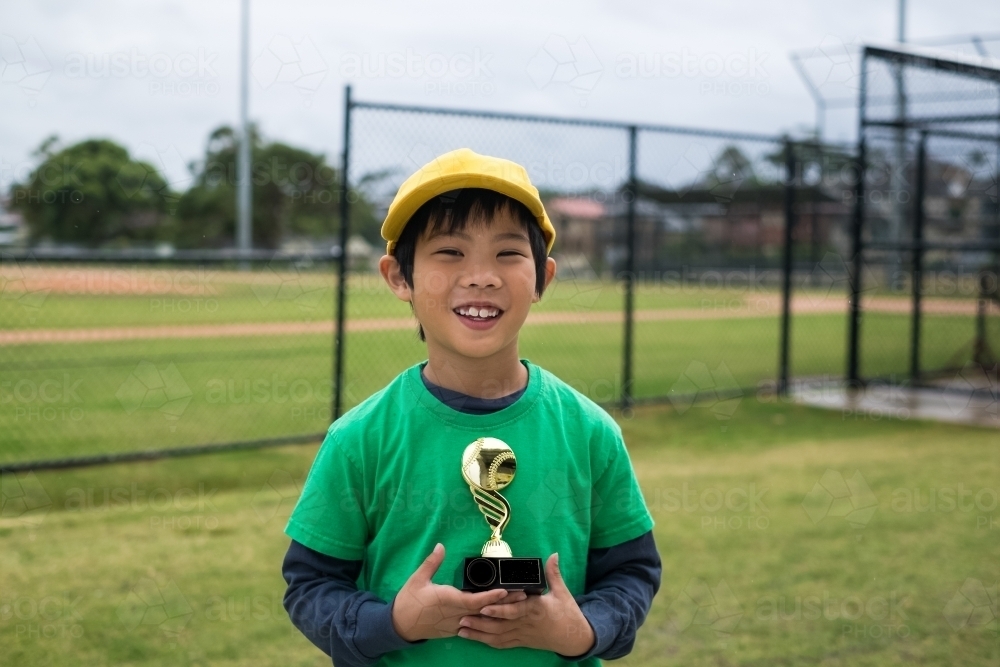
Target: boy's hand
point(552, 622)
point(425, 610)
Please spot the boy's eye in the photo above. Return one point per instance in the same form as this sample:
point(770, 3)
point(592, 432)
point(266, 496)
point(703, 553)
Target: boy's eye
point(511, 252)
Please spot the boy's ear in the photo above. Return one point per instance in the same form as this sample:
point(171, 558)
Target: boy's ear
point(391, 272)
point(550, 273)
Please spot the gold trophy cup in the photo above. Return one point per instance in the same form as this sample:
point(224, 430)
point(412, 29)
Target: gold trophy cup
point(488, 465)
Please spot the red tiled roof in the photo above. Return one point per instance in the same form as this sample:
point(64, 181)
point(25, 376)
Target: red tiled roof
point(576, 207)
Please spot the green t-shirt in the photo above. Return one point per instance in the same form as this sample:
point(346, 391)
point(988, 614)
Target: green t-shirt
point(387, 485)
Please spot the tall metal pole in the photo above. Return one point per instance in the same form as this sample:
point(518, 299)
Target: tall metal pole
point(786, 268)
point(243, 195)
point(345, 217)
point(897, 218)
point(901, 23)
point(918, 256)
point(857, 223)
point(632, 190)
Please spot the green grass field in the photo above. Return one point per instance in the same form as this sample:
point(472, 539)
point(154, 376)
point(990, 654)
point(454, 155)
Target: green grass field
point(178, 561)
point(181, 565)
point(84, 398)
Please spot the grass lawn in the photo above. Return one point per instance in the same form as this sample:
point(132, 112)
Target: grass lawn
point(182, 565)
point(88, 398)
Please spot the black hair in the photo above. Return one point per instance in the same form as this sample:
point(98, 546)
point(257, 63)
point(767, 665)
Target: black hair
point(450, 212)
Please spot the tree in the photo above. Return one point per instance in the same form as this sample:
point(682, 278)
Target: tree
point(295, 193)
point(92, 193)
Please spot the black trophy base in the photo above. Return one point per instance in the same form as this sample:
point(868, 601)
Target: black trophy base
point(483, 573)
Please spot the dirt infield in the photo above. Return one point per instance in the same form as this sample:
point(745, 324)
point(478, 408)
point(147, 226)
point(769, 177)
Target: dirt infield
point(762, 306)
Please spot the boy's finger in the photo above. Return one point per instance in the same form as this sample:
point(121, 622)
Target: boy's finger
point(556, 583)
point(431, 563)
point(512, 597)
point(493, 626)
point(506, 611)
point(476, 601)
point(477, 635)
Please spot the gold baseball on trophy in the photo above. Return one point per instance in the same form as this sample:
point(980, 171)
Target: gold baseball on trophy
point(488, 463)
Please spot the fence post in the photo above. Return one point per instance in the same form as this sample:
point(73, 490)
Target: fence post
point(918, 256)
point(857, 222)
point(345, 217)
point(786, 267)
point(632, 190)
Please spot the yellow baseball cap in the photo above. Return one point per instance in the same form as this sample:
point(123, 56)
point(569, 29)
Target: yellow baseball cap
point(463, 169)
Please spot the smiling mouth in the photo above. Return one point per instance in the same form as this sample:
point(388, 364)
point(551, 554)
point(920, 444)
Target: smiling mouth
point(478, 314)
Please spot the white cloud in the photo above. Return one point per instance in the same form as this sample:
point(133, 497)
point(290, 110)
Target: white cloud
point(138, 110)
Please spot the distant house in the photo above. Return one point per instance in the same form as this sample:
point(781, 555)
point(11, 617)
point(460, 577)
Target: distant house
point(578, 222)
point(701, 226)
point(960, 205)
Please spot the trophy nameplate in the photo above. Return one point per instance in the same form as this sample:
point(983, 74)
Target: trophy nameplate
point(488, 465)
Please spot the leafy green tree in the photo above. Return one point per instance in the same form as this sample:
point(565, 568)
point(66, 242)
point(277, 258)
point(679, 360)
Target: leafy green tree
point(94, 194)
point(295, 193)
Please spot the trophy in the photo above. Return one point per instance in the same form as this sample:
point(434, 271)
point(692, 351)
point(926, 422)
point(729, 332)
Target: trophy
point(488, 465)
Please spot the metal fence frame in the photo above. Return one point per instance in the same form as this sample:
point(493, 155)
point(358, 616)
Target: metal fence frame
point(791, 183)
point(925, 126)
point(632, 129)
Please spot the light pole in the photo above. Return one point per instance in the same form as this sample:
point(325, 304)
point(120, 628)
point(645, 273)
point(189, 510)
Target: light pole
point(244, 228)
point(898, 179)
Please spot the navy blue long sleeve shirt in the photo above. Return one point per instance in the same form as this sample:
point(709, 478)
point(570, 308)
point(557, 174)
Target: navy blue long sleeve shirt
point(355, 627)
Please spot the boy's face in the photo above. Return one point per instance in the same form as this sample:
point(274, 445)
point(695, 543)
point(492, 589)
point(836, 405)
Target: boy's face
point(487, 266)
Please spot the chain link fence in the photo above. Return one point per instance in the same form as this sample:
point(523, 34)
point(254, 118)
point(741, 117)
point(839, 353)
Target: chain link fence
point(670, 251)
point(695, 267)
point(927, 223)
point(117, 356)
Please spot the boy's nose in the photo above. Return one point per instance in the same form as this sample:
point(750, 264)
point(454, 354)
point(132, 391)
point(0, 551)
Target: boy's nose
point(481, 275)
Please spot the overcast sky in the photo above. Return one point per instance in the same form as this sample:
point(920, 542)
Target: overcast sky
point(158, 76)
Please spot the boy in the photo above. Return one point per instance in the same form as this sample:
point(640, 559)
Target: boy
point(468, 243)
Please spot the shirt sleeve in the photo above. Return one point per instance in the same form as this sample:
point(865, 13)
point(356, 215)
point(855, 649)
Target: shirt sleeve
point(618, 511)
point(353, 627)
point(621, 583)
point(329, 516)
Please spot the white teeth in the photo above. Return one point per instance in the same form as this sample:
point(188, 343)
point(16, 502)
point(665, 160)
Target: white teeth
point(473, 311)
